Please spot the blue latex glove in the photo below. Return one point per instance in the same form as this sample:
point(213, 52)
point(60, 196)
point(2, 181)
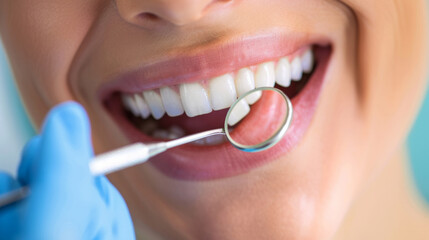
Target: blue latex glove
point(66, 201)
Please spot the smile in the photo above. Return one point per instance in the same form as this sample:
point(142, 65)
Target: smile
point(218, 93)
point(152, 107)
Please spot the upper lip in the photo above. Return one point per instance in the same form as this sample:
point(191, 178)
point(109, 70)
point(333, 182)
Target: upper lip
point(213, 59)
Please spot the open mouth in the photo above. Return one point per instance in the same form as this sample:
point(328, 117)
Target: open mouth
point(173, 111)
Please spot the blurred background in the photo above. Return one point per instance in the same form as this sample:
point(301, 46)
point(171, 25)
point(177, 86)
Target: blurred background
point(15, 130)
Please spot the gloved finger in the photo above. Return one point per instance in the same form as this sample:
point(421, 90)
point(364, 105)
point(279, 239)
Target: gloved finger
point(61, 182)
point(117, 210)
point(9, 215)
point(65, 144)
point(27, 159)
point(65, 149)
point(67, 130)
point(103, 186)
point(7, 183)
point(71, 120)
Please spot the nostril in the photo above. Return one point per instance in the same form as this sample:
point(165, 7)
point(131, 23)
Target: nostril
point(147, 20)
point(148, 17)
point(151, 14)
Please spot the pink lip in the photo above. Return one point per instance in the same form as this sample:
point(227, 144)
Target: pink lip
point(192, 162)
point(210, 60)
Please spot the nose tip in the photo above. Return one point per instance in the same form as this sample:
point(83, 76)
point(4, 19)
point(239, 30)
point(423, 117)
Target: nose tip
point(177, 12)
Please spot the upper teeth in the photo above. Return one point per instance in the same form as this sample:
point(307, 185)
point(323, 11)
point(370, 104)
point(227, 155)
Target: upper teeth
point(196, 98)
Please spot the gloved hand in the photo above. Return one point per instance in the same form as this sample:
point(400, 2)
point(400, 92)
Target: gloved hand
point(66, 201)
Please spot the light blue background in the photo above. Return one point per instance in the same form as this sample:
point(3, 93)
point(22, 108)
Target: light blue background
point(418, 145)
point(15, 130)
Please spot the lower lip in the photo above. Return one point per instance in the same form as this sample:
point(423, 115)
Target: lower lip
point(197, 163)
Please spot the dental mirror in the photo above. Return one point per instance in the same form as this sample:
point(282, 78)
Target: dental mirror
point(256, 121)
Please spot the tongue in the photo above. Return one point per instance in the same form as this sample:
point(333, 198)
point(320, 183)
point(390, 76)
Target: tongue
point(263, 121)
point(196, 124)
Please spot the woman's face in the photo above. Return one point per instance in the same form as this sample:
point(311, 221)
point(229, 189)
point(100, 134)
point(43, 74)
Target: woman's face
point(351, 112)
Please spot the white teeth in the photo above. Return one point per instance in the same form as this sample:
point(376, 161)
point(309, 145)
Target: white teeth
point(254, 96)
point(283, 72)
point(296, 69)
point(212, 140)
point(142, 105)
point(222, 91)
point(195, 99)
point(241, 109)
point(307, 61)
point(265, 75)
point(173, 133)
point(130, 104)
point(215, 139)
point(244, 82)
point(155, 104)
point(160, 134)
point(171, 102)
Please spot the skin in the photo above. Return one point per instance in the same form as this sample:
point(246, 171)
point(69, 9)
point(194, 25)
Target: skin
point(65, 49)
point(388, 208)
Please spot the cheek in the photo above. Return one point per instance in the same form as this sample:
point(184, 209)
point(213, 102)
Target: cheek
point(41, 38)
point(392, 61)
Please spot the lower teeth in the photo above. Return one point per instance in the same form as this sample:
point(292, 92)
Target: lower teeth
point(210, 141)
point(150, 128)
